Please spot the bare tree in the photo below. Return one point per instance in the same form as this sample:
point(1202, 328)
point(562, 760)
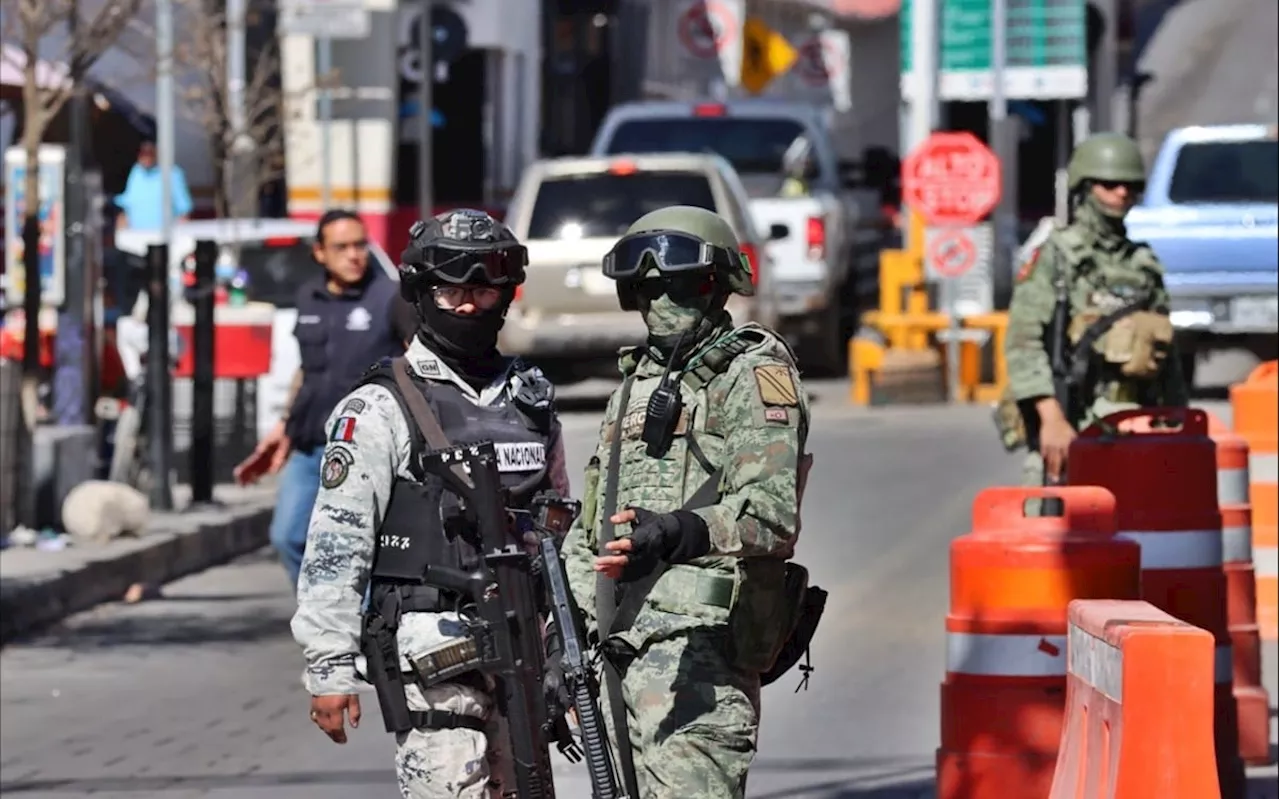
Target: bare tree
point(246, 145)
point(86, 37)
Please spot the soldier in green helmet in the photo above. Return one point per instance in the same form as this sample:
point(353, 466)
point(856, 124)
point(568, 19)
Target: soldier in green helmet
point(680, 560)
point(1089, 330)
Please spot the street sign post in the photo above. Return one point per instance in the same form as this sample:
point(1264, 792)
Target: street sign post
point(959, 260)
point(951, 179)
point(1046, 53)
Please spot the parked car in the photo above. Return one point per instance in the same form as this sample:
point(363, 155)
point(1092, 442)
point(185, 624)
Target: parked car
point(827, 259)
point(570, 211)
point(1209, 212)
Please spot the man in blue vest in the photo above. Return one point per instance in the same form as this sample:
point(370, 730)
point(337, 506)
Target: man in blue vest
point(348, 318)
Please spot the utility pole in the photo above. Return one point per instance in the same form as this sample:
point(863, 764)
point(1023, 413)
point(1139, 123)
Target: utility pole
point(922, 110)
point(324, 57)
point(164, 113)
point(921, 116)
point(235, 108)
point(426, 155)
point(1003, 136)
point(74, 353)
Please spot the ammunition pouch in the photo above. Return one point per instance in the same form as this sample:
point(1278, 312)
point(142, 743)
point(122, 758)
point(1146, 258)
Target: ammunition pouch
point(1131, 343)
point(474, 652)
point(808, 603)
point(765, 621)
point(1139, 344)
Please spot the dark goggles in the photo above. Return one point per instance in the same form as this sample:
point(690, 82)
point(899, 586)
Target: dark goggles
point(672, 253)
point(493, 267)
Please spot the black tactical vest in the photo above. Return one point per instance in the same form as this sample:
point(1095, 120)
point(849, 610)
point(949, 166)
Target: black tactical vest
point(424, 523)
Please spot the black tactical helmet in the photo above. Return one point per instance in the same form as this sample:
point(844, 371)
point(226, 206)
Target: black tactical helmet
point(461, 246)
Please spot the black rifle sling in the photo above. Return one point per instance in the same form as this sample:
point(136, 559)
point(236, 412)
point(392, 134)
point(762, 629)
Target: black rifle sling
point(423, 417)
point(605, 600)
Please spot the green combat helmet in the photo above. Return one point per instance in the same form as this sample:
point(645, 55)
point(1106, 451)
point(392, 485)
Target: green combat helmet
point(1106, 157)
point(707, 226)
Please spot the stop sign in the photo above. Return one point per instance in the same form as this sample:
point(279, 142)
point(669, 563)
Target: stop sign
point(951, 179)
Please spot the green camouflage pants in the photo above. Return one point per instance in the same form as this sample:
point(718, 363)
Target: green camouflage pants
point(692, 719)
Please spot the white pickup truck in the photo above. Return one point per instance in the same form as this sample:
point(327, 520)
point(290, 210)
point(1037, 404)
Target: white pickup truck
point(825, 269)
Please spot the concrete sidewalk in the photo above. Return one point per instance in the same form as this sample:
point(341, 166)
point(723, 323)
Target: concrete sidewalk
point(39, 588)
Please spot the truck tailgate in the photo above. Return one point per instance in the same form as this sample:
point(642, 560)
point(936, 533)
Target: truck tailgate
point(791, 261)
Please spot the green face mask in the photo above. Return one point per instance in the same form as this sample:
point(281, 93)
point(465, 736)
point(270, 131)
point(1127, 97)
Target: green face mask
point(669, 317)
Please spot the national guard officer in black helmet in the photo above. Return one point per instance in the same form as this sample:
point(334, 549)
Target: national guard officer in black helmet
point(378, 518)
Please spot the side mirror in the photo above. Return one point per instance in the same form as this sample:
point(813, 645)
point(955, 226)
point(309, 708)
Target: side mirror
point(778, 231)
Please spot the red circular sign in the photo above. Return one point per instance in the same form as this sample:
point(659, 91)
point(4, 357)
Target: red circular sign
point(813, 60)
point(706, 28)
point(951, 179)
point(952, 253)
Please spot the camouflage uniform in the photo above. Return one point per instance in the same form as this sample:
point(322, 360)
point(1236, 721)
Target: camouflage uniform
point(1104, 271)
point(434, 763)
point(692, 690)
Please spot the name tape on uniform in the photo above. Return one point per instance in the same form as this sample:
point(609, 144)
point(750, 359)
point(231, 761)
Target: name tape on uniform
point(525, 457)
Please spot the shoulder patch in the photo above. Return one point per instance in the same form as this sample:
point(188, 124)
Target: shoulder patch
point(344, 428)
point(1028, 266)
point(337, 465)
point(354, 407)
point(775, 386)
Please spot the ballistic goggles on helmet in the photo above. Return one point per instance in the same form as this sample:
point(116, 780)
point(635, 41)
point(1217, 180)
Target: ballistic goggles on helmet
point(673, 253)
point(500, 266)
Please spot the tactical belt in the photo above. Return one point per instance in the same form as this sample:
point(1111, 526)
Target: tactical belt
point(445, 720)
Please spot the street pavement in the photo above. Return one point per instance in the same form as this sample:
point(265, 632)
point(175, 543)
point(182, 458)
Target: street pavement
point(198, 693)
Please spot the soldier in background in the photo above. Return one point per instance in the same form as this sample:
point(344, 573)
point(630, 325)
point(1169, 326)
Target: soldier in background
point(701, 453)
point(1115, 335)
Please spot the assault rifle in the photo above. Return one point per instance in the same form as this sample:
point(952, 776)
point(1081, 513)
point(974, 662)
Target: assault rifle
point(552, 517)
point(508, 643)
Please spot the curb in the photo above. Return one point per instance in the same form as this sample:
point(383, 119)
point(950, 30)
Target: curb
point(180, 544)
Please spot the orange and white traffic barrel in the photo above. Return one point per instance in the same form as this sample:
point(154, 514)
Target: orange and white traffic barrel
point(1012, 579)
point(1252, 705)
point(1163, 472)
point(1255, 414)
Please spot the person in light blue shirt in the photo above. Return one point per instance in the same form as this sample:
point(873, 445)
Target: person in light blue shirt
point(140, 204)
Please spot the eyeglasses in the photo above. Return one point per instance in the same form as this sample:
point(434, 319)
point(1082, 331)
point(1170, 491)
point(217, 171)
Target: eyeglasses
point(451, 298)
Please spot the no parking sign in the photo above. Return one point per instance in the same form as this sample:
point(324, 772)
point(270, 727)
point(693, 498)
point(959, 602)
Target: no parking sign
point(710, 29)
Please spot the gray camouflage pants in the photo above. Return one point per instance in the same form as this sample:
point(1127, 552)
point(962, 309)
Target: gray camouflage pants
point(450, 764)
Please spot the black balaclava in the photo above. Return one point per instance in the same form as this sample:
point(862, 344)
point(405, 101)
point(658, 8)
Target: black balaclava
point(468, 344)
